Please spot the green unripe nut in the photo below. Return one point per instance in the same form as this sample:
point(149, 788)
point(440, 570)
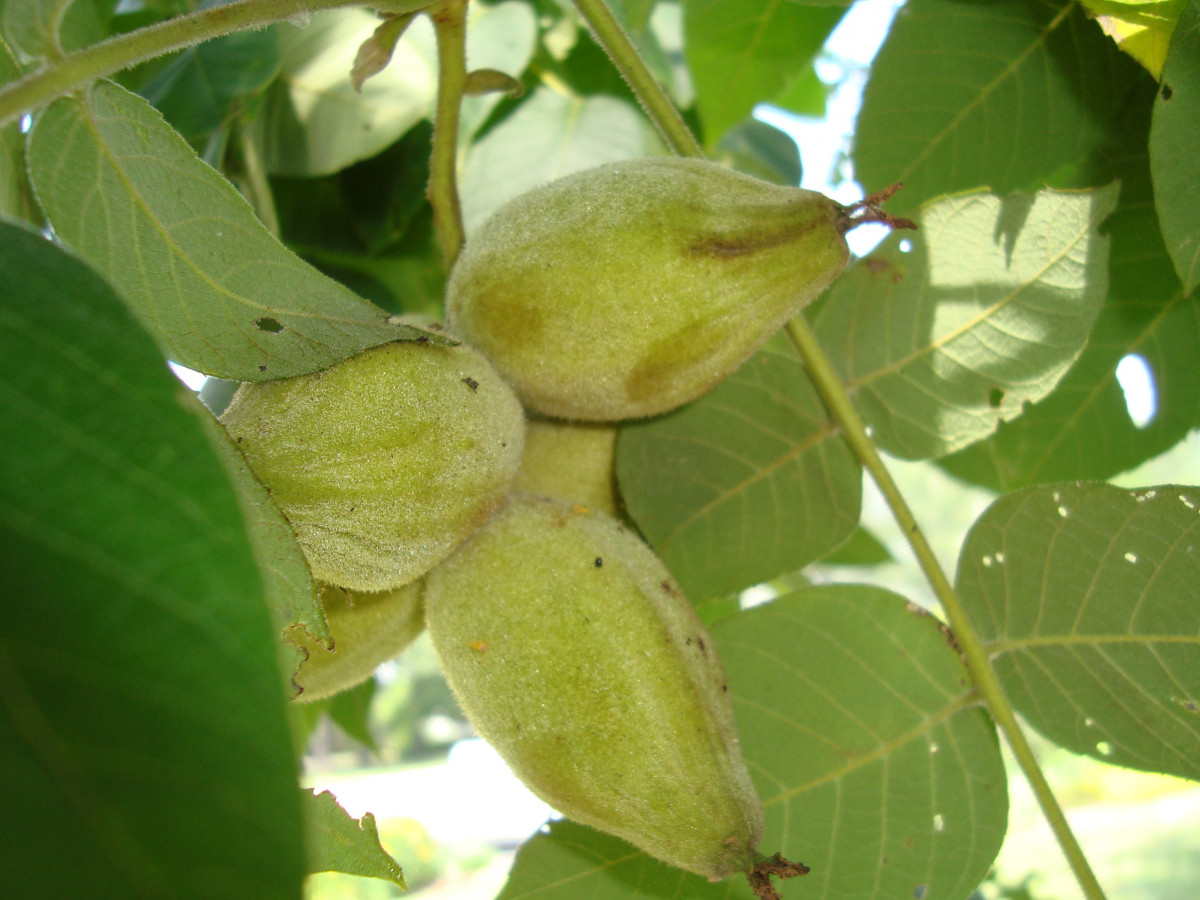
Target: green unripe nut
point(570, 461)
point(385, 462)
point(632, 288)
point(574, 653)
point(367, 630)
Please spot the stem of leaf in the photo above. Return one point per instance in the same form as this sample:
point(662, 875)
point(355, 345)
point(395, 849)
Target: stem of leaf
point(974, 653)
point(616, 43)
point(257, 185)
point(449, 22)
point(84, 66)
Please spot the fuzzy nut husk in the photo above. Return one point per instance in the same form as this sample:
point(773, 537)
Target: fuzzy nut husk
point(632, 288)
point(575, 654)
point(385, 462)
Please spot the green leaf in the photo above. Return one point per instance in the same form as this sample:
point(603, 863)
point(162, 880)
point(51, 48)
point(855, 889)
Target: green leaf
point(16, 199)
point(1087, 598)
point(973, 95)
point(763, 151)
point(985, 314)
point(339, 843)
point(1141, 28)
point(313, 122)
point(42, 29)
point(1083, 430)
point(196, 90)
point(288, 587)
point(749, 482)
point(350, 711)
point(873, 763)
point(1174, 137)
point(805, 94)
point(861, 549)
point(219, 293)
point(142, 730)
point(501, 37)
point(563, 132)
point(742, 52)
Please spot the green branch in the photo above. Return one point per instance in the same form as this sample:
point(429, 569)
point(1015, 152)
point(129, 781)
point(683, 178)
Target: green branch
point(662, 112)
point(971, 647)
point(449, 22)
point(73, 71)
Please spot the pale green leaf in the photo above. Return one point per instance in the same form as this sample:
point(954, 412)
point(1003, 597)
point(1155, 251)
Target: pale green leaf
point(313, 122)
point(874, 765)
point(984, 314)
point(41, 29)
point(741, 52)
point(992, 95)
point(747, 483)
point(218, 292)
point(143, 740)
point(501, 37)
point(1087, 598)
point(1175, 149)
point(1141, 28)
point(1084, 428)
point(339, 843)
point(564, 133)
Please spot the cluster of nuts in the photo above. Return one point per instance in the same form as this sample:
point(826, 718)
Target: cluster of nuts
point(421, 495)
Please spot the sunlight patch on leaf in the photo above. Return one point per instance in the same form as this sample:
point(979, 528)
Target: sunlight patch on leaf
point(314, 122)
point(984, 314)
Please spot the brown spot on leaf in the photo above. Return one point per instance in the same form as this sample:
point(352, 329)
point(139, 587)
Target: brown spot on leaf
point(471, 383)
point(1167, 93)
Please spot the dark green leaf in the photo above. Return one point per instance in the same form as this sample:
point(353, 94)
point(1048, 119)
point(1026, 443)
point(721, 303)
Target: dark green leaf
point(1087, 598)
point(992, 95)
point(874, 766)
point(1084, 429)
point(142, 731)
point(747, 483)
point(350, 711)
point(985, 314)
point(1174, 139)
point(742, 52)
point(183, 248)
point(762, 150)
point(196, 90)
point(339, 843)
